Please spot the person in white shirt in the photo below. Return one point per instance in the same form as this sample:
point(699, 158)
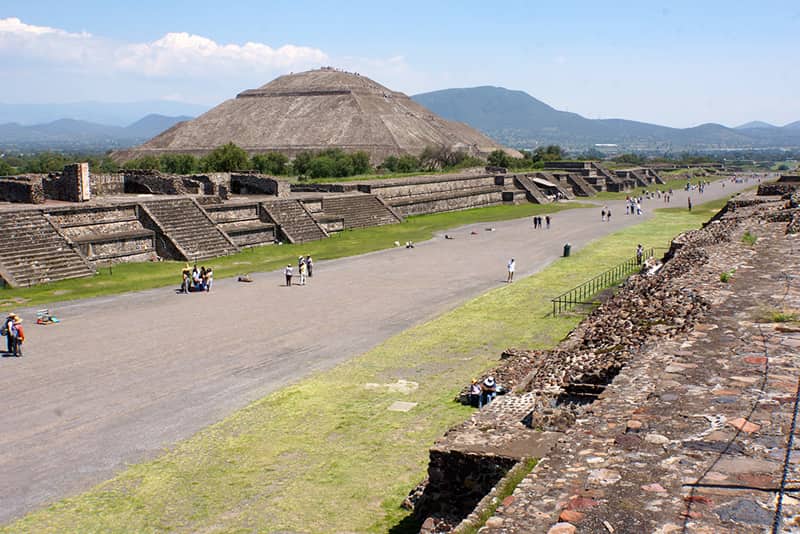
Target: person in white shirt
point(288, 273)
point(512, 266)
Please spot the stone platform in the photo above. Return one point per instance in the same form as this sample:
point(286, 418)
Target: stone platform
point(675, 400)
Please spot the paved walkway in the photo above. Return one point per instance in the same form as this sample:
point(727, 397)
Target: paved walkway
point(123, 377)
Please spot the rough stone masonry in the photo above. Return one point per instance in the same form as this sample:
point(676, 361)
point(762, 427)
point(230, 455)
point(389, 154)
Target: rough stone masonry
point(670, 407)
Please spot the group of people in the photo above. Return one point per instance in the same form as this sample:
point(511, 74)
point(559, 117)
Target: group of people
point(305, 270)
point(537, 222)
point(482, 393)
point(194, 279)
point(605, 214)
point(15, 334)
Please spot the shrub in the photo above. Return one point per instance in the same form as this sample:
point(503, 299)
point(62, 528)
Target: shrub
point(749, 239)
point(271, 163)
point(225, 158)
point(178, 163)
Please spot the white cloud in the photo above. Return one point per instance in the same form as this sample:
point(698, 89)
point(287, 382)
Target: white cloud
point(175, 55)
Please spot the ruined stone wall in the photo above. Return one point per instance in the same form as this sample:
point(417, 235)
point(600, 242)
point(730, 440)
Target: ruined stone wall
point(449, 203)
point(25, 189)
point(108, 184)
point(394, 190)
point(153, 182)
point(247, 183)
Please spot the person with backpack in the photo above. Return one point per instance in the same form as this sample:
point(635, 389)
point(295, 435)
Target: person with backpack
point(6, 329)
point(19, 336)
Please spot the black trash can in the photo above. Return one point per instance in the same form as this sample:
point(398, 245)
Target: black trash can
point(567, 248)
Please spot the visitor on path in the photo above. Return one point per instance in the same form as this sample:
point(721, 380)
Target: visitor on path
point(209, 279)
point(409, 244)
point(547, 221)
point(639, 254)
point(287, 272)
point(302, 272)
point(186, 278)
point(7, 329)
point(512, 266)
point(300, 261)
point(608, 215)
point(690, 203)
point(603, 215)
point(488, 391)
point(310, 266)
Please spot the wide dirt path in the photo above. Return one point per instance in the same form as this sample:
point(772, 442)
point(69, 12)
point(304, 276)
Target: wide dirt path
point(123, 377)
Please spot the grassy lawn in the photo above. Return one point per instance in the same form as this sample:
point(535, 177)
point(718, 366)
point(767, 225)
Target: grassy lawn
point(137, 276)
point(325, 455)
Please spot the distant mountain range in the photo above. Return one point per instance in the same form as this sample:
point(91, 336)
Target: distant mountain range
point(81, 135)
point(516, 119)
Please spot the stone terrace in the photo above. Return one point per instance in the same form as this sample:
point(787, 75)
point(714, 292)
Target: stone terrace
point(671, 425)
point(691, 436)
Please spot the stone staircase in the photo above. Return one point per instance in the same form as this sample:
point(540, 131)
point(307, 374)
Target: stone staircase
point(246, 224)
point(580, 186)
point(33, 252)
point(294, 220)
point(189, 228)
point(359, 211)
point(534, 194)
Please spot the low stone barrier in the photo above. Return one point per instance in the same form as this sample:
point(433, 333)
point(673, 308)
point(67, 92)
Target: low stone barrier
point(25, 189)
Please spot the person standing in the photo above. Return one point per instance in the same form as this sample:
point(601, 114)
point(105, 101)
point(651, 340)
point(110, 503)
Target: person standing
point(7, 328)
point(603, 214)
point(310, 266)
point(19, 337)
point(209, 281)
point(547, 221)
point(639, 254)
point(302, 272)
point(608, 215)
point(690, 203)
point(287, 272)
point(512, 266)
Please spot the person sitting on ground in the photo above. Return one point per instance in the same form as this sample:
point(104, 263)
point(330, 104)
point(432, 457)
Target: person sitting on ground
point(488, 391)
point(197, 281)
point(474, 393)
point(409, 244)
point(447, 236)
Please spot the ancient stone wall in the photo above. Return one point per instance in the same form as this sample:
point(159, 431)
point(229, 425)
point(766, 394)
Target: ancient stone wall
point(258, 184)
point(447, 202)
point(153, 182)
point(391, 190)
point(25, 189)
point(107, 184)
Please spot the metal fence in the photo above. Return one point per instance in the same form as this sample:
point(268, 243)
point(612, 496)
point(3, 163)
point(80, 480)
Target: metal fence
point(582, 293)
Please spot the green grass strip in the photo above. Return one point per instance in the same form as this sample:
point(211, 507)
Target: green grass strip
point(325, 455)
point(127, 277)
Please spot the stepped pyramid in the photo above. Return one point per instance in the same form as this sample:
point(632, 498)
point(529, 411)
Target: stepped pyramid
point(316, 110)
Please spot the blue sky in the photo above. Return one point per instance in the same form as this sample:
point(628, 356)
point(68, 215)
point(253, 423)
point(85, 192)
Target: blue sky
point(676, 63)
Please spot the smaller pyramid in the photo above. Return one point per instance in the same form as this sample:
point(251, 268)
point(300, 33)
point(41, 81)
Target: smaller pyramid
point(318, 110)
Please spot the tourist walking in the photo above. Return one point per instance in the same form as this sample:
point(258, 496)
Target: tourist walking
point(287, 272)
point(603, 214)
point(690, 203)
point(512, 266)
point(302, 272)
point(12, 329)
point(608, 215)
point(547, 221)
point(310, 266)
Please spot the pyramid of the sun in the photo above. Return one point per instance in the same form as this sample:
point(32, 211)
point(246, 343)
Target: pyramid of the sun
point(316, 110)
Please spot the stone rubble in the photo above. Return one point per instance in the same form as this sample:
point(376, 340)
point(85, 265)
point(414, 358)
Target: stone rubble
point(668, 407)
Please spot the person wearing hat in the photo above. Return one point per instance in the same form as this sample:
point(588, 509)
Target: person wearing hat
point(474, 393)
point(7, 329)
point(18, 336)
point(287, 272)
point(488, 391)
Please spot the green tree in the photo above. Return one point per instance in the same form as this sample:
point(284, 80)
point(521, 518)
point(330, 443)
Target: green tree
point(407, 163)
point(301, 163)
point(271, 163)
point(5, 168)
point(225, 158)
point(144, 163)
point(360, 162)
point(322, 167)
point(498, 158)
point(179, 163)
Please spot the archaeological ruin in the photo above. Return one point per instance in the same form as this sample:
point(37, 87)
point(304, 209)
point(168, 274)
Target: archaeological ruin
point(64, 225)
point(318, 110)
point(669, 409)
